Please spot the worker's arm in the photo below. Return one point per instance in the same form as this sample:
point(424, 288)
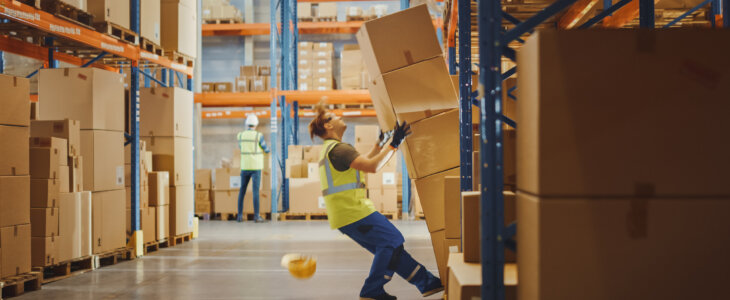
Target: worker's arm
point(263, 145)
point(373, 164)
point(383, 137)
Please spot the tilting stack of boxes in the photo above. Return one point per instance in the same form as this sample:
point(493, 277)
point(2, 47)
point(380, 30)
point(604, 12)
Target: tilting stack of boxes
point(15, 231)
point(315, 66)
point(202, 191)
point(166, 126)
point(95, 98)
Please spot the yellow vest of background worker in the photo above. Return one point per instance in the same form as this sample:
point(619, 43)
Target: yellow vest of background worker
point(252, 155)
point(344, 192)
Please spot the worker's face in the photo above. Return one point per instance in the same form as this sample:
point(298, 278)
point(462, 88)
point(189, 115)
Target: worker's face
point(338, 124)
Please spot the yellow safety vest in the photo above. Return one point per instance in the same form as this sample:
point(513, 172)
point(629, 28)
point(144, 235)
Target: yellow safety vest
point(252, 155)
point(344, 192)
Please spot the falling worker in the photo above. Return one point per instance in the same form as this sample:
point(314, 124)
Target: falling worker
point(252, 146)
point(341, 174)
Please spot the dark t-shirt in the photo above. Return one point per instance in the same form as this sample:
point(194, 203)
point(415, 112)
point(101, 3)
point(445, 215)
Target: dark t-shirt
point(342, 156)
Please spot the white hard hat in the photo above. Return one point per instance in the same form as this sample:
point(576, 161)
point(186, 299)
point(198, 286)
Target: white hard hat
point(252, 121)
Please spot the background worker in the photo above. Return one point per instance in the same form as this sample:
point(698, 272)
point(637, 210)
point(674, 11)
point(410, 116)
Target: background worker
point(253, 147)
point(349, 210)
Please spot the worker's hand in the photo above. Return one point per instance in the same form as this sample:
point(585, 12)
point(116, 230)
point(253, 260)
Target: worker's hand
point(383, 137)
point(400, 132)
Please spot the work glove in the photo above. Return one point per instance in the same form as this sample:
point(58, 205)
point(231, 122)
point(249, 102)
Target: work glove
point(400, 132)
point(383, 137)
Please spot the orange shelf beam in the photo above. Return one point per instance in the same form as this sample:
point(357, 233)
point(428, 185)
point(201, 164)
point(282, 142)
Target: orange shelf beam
point(453, 22)
point(41, 53)
point(263, 99)
point(165, 62)
point(624, 15)
point(246, 29)
point(242, 114)
point(575, 13)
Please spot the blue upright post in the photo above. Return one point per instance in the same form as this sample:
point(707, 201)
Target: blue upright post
point(715, 6)
point(646, 13)
point(406, 182)
point(295, 122)
point(163, 77)
point(2, 62)
point(274, 126)
point(134, 122)
point(295, 56)
point(284, 153)
point(147, 80)
point(52, 62)
point(492, 206)
point(452, 60)
point(465, 93)
point(726, 13)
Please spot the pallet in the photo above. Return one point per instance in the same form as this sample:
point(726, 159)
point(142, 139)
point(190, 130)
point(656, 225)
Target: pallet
point(359, 18)
point(64, 11)
point(390, 215)
point(180, 239)
point(303, 216)
point(17, 285)
point(420, 216)
point(325, 19)
point(65, 269)
point(119, 32)
point(204, 216)
point(151, 47)
point(250, 216)
point(223, 21)
point(112, 257)
point(180, 58)
point(224, 216)
point(155, 246)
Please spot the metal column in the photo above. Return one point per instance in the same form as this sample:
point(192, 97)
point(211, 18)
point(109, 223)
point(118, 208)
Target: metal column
point(134, 122)
point(295, 121)
point(465, 84)
point(2, 62)
point(646, 13)
point(52, 63)
point(274, 128)
point(726, 13)
point(406, 181)
point(452, 60)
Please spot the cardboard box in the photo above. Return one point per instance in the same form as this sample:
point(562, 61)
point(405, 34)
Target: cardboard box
point(202, 196)
point(14, 157)
point(203, 179)
point(76, 174)
point(70, 130)
point(366, 134)
point(433, 146)
point(322, 60)
point(93, 96)
point(173, 154)
point(351, 67)
point(144, 196)
point(182, 210)
point(15, 101)
point(44, 222)
point(326, 10)
point(439, 245)
point(384, 50)
point(383, 109)
point(166, 112)
point(43, 192)
point(223, 87)
point(75, 226)
point(465, 279)
point(14, 200)
point(242, 84)
point(34, 112)
point(304, 10)
point(202, 207)
point(43, 251)
point(563, 239)
point(178, 21)
point(249, 71)
point(57, 145)
point(305, 45)
point(16, 251)
point(44, 163)
point(305, 196)
point(452, 207)
point(323, 46)
point(109, 11)
point(148, 216)
point(593, 160)
point(226, 179)
point(159, 186)
point(162, 222)
point(103, 153)
point(208, 87)
point(310, 154)
point(224, 201)
point(108, 216)
point(470, 224)
point(150, 16)
point(413, 96)
point(385, 199)
point(431, 193)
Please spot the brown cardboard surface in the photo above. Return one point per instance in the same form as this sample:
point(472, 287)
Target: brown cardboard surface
point(14, 200)
point(58, 145)
point(182, 210)
point(103, 153)
point(202, 196)
point(44, 163)
point(148, 216)
point(413, 96)
point(65, 129)
point(431, 193)
point(85, 224)
point(310, 154)
point(64, 182)
point(173, 154)
point(203, 179)
point(34, 112)
point(224, 201)
point(76, 174)
point(223, 179)
point(43, 251)
point(465, 279)
point(109, 11)
point(16, 252)
point(452, 207)
point(15, 101)
point(166, 111)
point(470, 225)
point(159, 187)
point(149, 19)
point(74, 216)
point(144, 196)
point(383, 108)
point(178, 21)
point(43, 193)
point(621, 241)
point(572, 144)
point(93, 96)
point(14, 158)
point(203, 207)
point(162, 222)
point(438, 240)
point(108, 219)
point(433, 146)
point(384, 50)
point(44, 222)
point(305, 194)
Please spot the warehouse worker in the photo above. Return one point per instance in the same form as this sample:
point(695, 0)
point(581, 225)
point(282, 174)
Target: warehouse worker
point(349, 210)
point(253, 146)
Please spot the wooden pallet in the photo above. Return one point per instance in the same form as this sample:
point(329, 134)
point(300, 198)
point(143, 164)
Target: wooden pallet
point(204, 216)
point(180, 58)
point(250, 216)
point(224, 216)
point(112, 257)
point(390, 215)
point(223, 21)
point(359, 18)
point(65, 269)
point(302, 216)
point(17, 285)
point(180, 239)
point(325, 19)
point(307, 19)
point(149, 46)
point(155, 246)
point(118, 32)
point(64, 11)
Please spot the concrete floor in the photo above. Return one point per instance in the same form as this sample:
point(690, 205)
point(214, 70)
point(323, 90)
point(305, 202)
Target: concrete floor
point(242, 261)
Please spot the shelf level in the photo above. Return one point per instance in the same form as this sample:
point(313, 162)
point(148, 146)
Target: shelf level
point(263, 99)
point(242, 114)
point(246, 29)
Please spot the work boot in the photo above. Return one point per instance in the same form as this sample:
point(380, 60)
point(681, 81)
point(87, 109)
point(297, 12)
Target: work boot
point(259, 220)
point(383, 296)
point(433, 287)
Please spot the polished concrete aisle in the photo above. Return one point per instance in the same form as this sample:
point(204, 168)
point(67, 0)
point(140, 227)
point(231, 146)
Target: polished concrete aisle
point(242, 261)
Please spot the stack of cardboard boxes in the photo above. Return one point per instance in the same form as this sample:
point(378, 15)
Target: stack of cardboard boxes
point(353, 74)
point(166, 126)
point(302, 169)
point(104, 11)
point(203, 184)
point(319, 12)
point(15, 231)
point(224, 195)
point(150, 16)
point(145, 166)
point(159, 207)
point(178, 21)
point(95, 98)
point(253, 79)
point(214, 10)
point(315, 66)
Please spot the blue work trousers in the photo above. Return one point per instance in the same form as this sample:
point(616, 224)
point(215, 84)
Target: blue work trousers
point(246, 176)
point(376, 234)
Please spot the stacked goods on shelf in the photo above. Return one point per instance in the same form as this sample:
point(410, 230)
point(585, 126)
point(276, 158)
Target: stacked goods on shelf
point(320, 12)
point(583, 190)
point(376, 11)
point(145, 166)
point(224, 195)
point(302, 169)
point(353, 74)
point(159, 206)
point(401, 92)
point(252, 79)
point(105, 12)
point(355, 13)
point(178, 26)
point(95, 98)
point(315, 66)
point(220, 11)
point(15, 230)
point(203, 182)
point(63, 195)
point(166, 126)
point(382, 186)
point(149, 18)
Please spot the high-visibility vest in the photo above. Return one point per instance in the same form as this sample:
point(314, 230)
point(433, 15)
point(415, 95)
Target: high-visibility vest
point(252, 155)
point(344, 193)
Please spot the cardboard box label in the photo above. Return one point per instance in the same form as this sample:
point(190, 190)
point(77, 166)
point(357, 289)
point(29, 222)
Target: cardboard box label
point(120, 175)
point(234, 182)
point(388, 178)
point(321, 202)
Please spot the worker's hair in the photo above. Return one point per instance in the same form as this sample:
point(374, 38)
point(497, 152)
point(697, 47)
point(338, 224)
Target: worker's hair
point(316, 127)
